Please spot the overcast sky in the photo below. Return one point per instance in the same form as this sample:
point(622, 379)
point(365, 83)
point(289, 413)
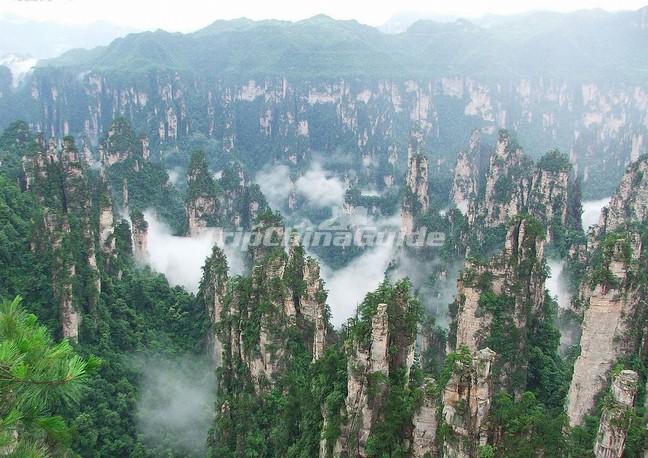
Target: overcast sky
point(188, 15)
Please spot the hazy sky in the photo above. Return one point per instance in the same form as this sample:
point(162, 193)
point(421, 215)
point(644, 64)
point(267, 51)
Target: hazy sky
point(187, 15)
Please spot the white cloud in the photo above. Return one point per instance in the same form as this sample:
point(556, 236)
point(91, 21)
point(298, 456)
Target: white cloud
point(348, 286)
point(592, 211)
point(275, 184)
point(176, 402)
point(320, 188)
point(181, 259)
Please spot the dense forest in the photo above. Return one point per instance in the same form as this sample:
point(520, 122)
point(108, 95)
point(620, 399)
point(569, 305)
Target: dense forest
point(313, 238)
point(279, 378)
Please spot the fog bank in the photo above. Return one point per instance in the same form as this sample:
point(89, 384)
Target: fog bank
point(176, 405)
point(181, 259)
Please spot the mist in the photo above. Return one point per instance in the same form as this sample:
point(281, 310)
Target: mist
point(592, 211)
point(275, 183)
point(181, 259)
point(435, 297)
point(348, 286)
point(320, 188)
point(175, 408)
point(558, 287)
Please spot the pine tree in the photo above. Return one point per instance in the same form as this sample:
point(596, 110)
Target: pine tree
point(36, 376)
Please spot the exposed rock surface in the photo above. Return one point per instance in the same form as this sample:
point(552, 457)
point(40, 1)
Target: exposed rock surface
point(517, 274)
point(467, 175)
point(368, 368)
point(237, 306)
point(507, 183)
point(385, 350)
point(58, 176)
point(417, 200)
point(593, 120)
point(630, 202)
point(613, 427)
point(466, 404)
point(425, 423)
point(139, 230)
point(613, 296)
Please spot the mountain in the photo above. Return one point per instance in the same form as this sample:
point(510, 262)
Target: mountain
point(576, 45)
point(274, 90)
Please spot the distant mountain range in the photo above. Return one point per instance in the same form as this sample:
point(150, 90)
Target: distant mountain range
point(583, 45)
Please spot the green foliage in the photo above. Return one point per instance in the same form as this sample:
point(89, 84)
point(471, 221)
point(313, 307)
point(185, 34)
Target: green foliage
point(527, 427)
point(614, 246)
point(547, 376)
point(35, 375)
point(21, 270)
point(555, 162)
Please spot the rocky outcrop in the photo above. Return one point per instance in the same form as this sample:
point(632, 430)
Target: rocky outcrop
point(590, 120)
point(368, 370)
point(202, 202)
point(120, 145)
point(466, 403)
point(511, 287)
point(139, 231)
point(615, 419)
point(251, 318)
point(612, 293)
point(213, 289)
point(610, 304)
point(58, 176)
point(106, 220)
point(630, 202)
point(507, 185)
point(467, 175)
point(230, 202)
point(416, 201)
point(379, 354)
point(550, 196)
point(425, 423)
point(514, 185)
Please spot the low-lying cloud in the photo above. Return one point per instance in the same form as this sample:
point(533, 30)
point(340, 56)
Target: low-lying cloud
point(349, 285)
point(592, 211)
point(176, 403)
point(558, 286)
point(436, 294)
point(181, 259)
point(275, 183)
point(319, 187)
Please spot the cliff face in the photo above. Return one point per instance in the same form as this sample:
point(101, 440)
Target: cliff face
point(612, 292)
point(507, 183)
point(380, 353)
point(366, 364)
point(467, 176)
point(508, 289)
point(425, 423)
point(58, 177)
point(139, 232)
point(614, 423)
point(252, 317)
point(229, 202)
point(551, 193)
point(630, 202)
point(416, 201)
point(466, 404)
point(514, 185)
point(589, 120)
